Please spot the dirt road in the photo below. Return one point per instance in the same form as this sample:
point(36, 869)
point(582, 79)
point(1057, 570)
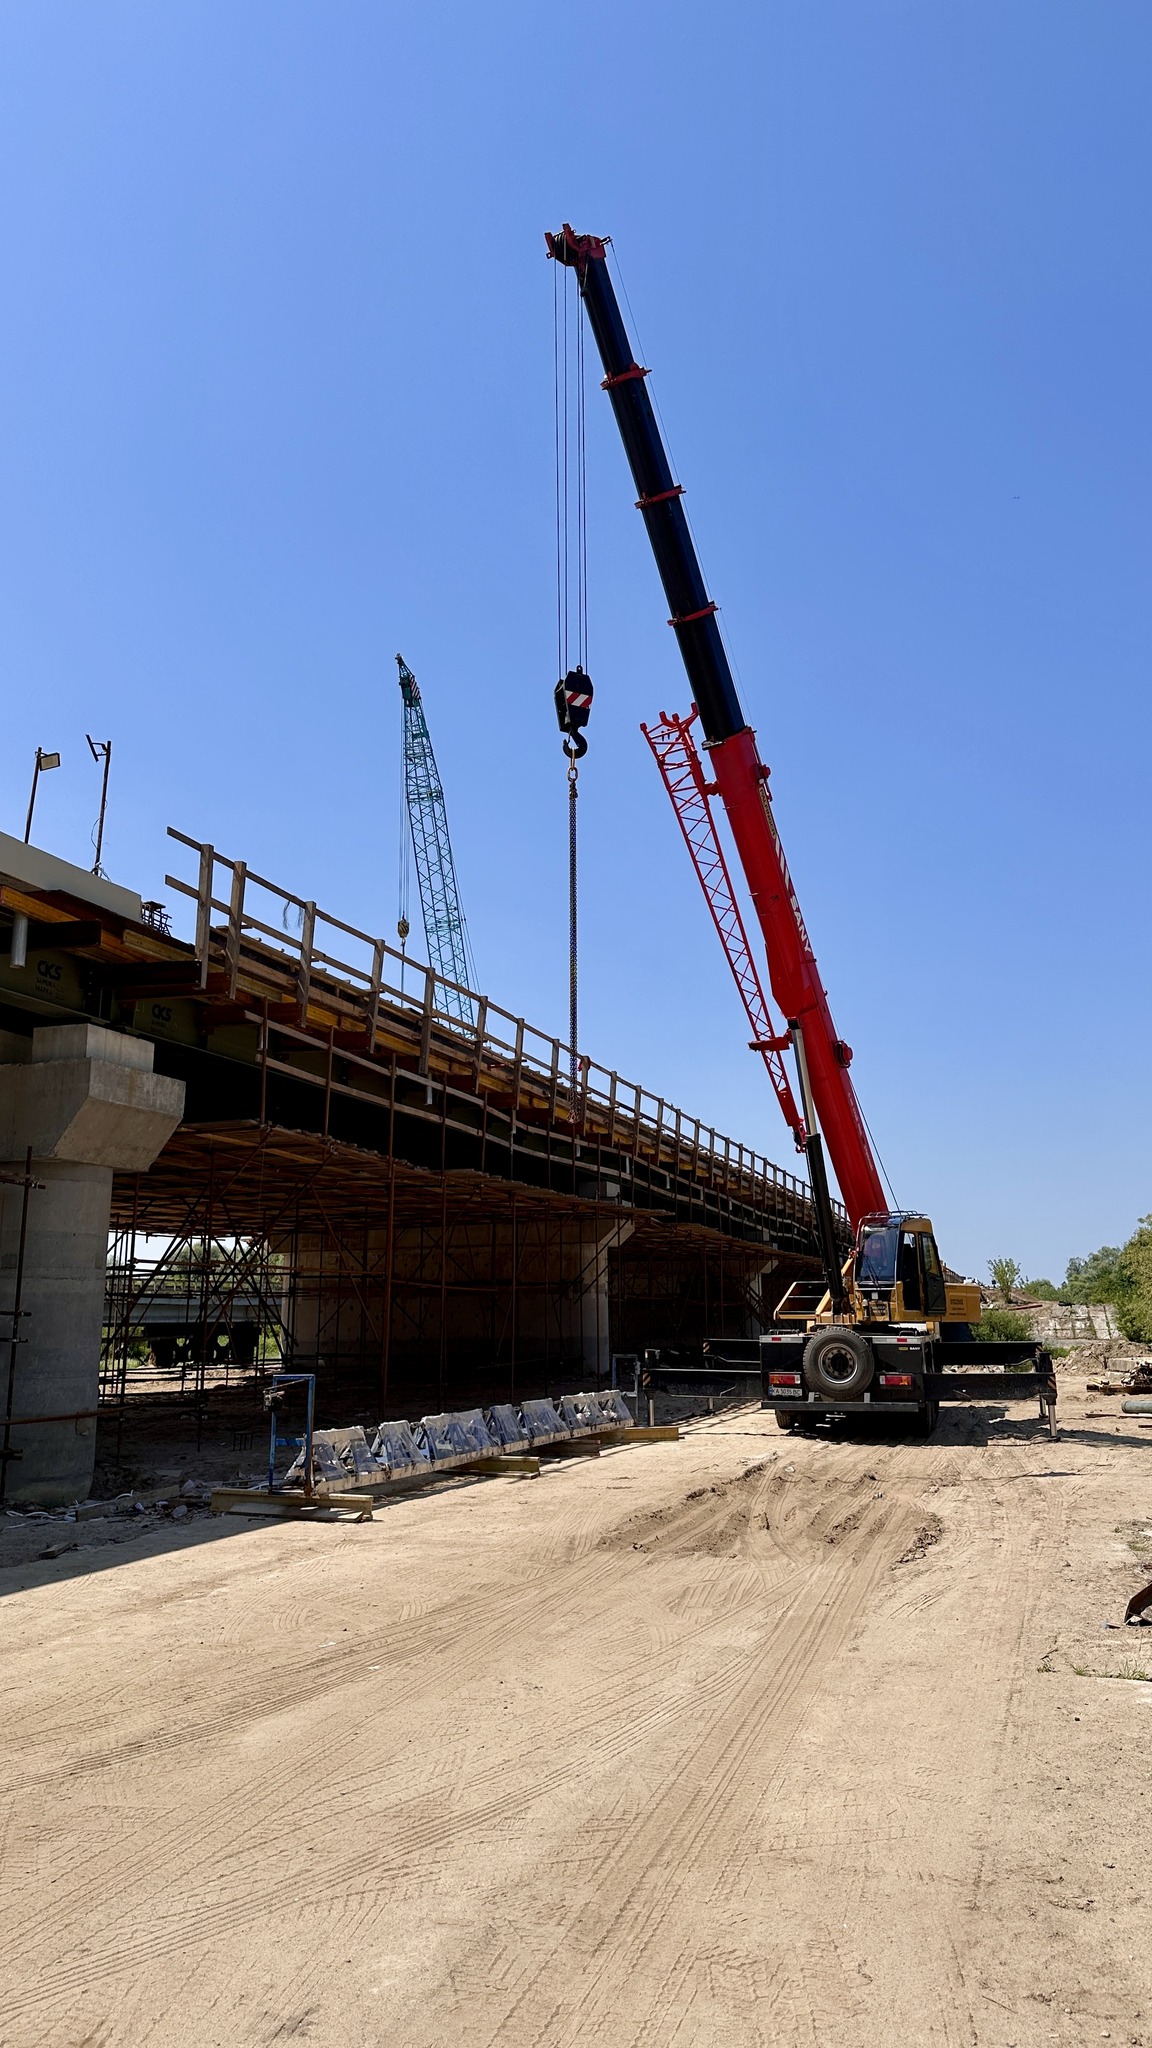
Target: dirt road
point(741, 1740)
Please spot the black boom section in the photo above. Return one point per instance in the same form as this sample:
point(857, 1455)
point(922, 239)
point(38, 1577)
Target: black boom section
point(693, 615)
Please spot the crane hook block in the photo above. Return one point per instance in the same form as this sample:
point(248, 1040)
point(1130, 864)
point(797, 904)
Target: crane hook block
point(573, 697)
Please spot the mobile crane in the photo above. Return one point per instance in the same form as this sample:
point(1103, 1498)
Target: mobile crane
point(885, 1327)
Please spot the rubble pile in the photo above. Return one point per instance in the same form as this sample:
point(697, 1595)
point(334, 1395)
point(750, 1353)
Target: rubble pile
point(28, 1534)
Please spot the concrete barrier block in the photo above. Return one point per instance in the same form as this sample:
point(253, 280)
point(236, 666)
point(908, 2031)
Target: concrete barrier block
point(614, 1410)
point(542, 1424)
point(327, 1463)
point(457, 1439)
point(580, 1412)
point(340, 1457)
point(397, 1451)
point(474, 1427)
point(506, 1428)
point(357, 1457)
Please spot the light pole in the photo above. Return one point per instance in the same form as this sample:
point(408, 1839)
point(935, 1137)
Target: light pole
point(43, 761)
point(101, 750)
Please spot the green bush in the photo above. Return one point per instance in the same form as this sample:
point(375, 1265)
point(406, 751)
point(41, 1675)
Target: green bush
point(1006, 1274)
point(1001, 1326)
point(1041, 1290)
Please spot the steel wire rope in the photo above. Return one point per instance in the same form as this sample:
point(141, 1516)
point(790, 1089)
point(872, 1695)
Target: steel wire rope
point(876, 1152)
point(569, 517)
point(556, 440)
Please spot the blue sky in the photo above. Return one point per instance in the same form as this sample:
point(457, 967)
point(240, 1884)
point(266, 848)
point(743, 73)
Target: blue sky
point(277, 402)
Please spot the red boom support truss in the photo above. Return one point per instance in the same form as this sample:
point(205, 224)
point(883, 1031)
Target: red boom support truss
point(674, 747)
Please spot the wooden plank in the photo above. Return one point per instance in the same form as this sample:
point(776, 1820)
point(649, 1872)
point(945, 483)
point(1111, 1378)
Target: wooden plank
point(648, 1433)
point(248, 1500)
point(507, 1461)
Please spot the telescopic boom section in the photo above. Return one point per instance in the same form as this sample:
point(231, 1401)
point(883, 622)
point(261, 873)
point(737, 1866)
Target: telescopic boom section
point(741, 780)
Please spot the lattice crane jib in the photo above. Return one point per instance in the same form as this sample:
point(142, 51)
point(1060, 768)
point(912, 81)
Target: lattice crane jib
point(674, 746)
point(445, 930)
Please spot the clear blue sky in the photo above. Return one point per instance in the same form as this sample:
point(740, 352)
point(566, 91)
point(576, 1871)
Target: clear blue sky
point(277, 402)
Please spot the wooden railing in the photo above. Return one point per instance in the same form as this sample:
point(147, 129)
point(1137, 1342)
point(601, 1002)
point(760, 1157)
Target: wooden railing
point(268, 934)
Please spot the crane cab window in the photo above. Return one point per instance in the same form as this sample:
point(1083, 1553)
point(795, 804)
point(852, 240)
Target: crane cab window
point(935, 1294)
point(908, 1271)
point(876, 1263)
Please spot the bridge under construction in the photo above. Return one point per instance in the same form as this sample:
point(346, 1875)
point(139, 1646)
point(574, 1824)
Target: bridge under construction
point(304, 1146)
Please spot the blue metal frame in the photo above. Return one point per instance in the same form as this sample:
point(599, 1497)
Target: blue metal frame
point(293, 1379)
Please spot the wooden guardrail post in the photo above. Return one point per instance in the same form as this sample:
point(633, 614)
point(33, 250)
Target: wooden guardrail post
point(204, 910)
point(374, 988)
point(426, 1020)
point(304, 971)
point(481, 1034)
point(235, 925)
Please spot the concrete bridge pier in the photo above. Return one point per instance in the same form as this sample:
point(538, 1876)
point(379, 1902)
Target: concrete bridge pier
point(592, 1300)
point(87, 1101)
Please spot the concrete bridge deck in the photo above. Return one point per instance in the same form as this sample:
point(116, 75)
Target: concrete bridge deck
point(450, 1197)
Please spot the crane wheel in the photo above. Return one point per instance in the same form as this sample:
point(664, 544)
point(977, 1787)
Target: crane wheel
point(838, 1362)
point(785, 1419)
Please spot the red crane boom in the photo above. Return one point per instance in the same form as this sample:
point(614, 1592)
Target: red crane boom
point(737, 774)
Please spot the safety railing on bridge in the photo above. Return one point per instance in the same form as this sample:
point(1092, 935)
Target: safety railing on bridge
point(284, 949)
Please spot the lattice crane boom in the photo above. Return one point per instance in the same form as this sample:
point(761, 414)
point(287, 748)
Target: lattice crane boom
point(445, 931)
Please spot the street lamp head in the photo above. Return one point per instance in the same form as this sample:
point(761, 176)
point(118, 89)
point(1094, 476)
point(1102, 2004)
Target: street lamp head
point(43, 761)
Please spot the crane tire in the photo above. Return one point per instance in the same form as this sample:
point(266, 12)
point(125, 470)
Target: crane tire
point(838, 1363)
point(785, 1418)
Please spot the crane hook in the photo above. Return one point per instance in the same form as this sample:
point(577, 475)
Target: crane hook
point(573, 699)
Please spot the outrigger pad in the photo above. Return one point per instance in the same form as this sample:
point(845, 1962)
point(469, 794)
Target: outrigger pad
point(396, 1450)
point(614, 1409)
point(505, 1426)
point(580, 1412)
point(543, 1424)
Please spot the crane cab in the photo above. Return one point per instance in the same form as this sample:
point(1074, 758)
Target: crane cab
point(897, 1275)
point(894, 1274)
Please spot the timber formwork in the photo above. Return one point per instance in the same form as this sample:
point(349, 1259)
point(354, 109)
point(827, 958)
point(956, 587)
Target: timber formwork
point(426, 1208)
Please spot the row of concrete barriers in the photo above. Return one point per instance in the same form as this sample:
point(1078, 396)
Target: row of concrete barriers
point(344, 1458)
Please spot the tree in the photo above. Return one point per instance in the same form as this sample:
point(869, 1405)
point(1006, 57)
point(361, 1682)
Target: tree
point(1135, 1308)
point(1041, 1290)
point(1099, 1277)
point(1006, 1273)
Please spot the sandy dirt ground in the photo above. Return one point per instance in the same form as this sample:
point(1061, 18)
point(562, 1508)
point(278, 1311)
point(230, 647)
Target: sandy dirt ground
point(746, 1739)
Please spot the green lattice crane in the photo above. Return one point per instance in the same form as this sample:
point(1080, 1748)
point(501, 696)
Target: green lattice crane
point(445, 931)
